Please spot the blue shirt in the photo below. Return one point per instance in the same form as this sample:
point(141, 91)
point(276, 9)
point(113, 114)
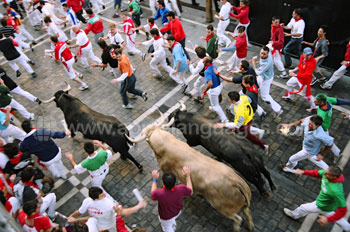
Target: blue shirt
point(179, 56)
point(162, 13)
point(313, 140)
point(265, 69)
point(2, 120)
point(211, 76)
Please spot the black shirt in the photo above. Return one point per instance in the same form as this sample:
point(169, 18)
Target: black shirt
point(8, 49)
point(239, 79)
point(107, 58)
point(7, 80)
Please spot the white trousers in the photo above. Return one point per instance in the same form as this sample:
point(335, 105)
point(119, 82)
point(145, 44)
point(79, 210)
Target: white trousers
point(56, 166)
point(18, 90)
point(213, 95)
point(198, 84)
point(34, 17)
point(25, 33)
point(12, 131)
point(172, 6)
point(235, 61)
point(49, 204)
point(235, 32)
point(130, 44)
point(336, 76)
point(293, 82)
point(162, 61)
point(335, 149)
point(152, 5)
point(21, 43)
point(301, 155)
point(264, 88)
point(96, 181)
point(179, 77)
point(311, 207)
point(68, 67)
point(277, 60)
point(96, 4)
point(14, 104)
point(88, 53)
point(170, 224)
point(22, 61)
point(223, 39)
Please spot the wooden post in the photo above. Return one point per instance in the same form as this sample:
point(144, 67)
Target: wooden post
point(209, 11)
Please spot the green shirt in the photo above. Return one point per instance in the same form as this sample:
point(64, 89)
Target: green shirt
point(212, 47)
point(331, 195)
point(93, 164)
point(326, 115)
point(5, 99)
point(134, 7)
point(93, 20)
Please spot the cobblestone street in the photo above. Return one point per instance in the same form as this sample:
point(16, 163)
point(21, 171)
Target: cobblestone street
point(123, 177)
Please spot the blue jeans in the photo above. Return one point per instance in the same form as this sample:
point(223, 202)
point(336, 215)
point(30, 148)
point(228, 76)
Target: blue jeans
point(293, 44)
point(117, 3)
point(128, 85)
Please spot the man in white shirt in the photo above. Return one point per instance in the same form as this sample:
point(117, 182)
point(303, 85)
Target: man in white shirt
point(297, 26)
point(53, 29)
point(85, 47)
point(103, 209)
point(113, 36)
point(159, 54)
point(199, 69)
point(224, 17)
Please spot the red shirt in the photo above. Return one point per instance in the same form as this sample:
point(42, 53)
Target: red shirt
point(347, 54)
point(62, 52)
point(277, 37)
point(243, 14)
point(241, 46)
point(40, 222)
point(12, 23)
point(76, 5)
point(170, 201)
point(176, 29)
point(127, 25)
point(94, 24)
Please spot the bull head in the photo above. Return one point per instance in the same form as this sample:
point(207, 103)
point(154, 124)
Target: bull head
point(58, 94)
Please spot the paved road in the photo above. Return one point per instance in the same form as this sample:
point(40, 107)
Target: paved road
point(198, 215)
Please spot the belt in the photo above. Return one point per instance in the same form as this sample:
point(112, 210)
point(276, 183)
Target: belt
point(99, 174)
point(224, 19)
point(81, 47)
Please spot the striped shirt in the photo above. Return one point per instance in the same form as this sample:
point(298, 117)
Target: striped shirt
point(8, 31)
point(72, 18)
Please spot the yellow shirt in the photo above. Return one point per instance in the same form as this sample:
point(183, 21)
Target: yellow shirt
point(243, 110)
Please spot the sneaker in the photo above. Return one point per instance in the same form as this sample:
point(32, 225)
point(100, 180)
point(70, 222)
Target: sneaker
point(286, 98)
point(197, 99)
point(31, 62)
point(144, 96)
point(83, 87)
point(337, 158)
point(31, 47)
point(314, 80)
point(278, 114)
point(211, 108)
point(324, 86)
point(80, 76)
point(18, 73)
point(103, 7)
point(128, 106)
point(32, 116)
point(33, 75)
point(38, 101)
point(289, 213)
point(143, 56)
point(322, 79)
point(266, 149)
point(283, 76)
point(311, 110)
point(116, 15)
point(157, 76)
point(33, 42)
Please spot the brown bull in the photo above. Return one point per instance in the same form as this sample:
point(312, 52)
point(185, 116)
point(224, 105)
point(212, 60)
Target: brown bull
point(217, 183)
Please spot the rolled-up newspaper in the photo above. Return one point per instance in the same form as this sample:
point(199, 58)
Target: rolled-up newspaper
point(64, 124)
point(137, 195)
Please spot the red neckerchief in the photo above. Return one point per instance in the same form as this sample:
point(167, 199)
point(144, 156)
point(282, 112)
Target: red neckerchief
point(209, 37)
point(15, 160)
point(173, 45)
point(158, 37)
point(30, 183)
point(151, 26)
point(298, 19)
point(253, 89)
point(172, 189)
point(34, 216)
point(205, 67)
point(78, 32)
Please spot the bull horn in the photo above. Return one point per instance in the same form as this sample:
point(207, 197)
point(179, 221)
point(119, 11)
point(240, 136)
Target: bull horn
point(183, 106)
point(162, 118)
point(139, 140)
point(171, 122)
point(50, 100)
point(68, 87)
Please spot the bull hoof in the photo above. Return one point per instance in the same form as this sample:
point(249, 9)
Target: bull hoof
point(273, 188)
point(123, 157)
point(140, 167)
point(267, 195)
